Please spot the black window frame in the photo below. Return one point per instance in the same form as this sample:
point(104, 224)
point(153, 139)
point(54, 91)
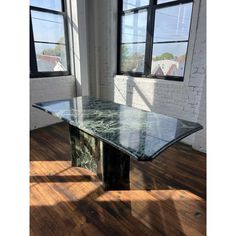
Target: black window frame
point(151, 8)
point(34, 73)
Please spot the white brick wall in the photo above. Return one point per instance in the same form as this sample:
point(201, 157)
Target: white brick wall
point(166, 97)
point(62, 87)
point(200, 137)
point(184, 100)
point(46, 89)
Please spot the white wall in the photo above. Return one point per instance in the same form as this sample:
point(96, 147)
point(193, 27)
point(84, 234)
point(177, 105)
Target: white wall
point(77, 25)
point(184, 100)
point(63, 87)
point(46, 89)
point(199, 76)
point(102, 36)
point(94, 54)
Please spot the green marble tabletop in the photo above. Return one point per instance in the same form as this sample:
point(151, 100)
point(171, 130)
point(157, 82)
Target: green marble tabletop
point(141, 134)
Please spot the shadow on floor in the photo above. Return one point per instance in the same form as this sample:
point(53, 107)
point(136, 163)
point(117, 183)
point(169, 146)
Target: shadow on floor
point(62, 178)
point(147, 184)
point(121, 213)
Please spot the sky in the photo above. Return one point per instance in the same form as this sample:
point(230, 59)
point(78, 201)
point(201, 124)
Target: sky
point(52, 4)
point(171, 24)
point(128, 4)
point(47, 27)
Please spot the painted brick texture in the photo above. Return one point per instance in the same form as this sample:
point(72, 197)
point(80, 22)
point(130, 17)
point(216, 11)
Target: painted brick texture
point(46, 89)
point(185, 100)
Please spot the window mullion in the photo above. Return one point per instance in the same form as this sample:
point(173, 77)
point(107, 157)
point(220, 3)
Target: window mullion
point(33, 62)
point(66, 33)
point(134, 10)
point(151, 46)
point(149, 38)
point(35, 70)
point(46, 10)
point(119, 35)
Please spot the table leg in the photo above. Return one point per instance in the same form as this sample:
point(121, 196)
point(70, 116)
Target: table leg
point(110, 164)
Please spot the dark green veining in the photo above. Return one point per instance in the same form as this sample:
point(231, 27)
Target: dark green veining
point(141, 134)
point(110, 164)
point(85, 150)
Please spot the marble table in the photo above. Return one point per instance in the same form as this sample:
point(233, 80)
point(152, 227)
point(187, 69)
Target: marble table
point(104, 135)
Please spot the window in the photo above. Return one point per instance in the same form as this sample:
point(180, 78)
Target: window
point(153, 38)
point(49, 54)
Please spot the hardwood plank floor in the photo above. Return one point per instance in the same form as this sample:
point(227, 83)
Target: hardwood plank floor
point(167, 195)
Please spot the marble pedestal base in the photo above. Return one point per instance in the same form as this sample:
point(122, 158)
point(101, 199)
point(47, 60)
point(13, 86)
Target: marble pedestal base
point(110, 164)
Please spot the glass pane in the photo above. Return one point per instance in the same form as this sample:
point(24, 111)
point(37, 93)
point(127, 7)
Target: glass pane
point(169, 59)
point(50, 57)
point(129, 4)
point(172, 23)
point(134, 27)
point(48, 4)
point(132, 57)
point(164, 1)
point(48, 27)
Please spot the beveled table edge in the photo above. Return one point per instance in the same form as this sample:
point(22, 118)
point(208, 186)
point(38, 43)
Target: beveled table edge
point(145, 158)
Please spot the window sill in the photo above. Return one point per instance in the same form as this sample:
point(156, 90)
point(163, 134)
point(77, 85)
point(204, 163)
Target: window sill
point(139, 75)
point(149, 79)
point(52, 77)
point(50, 74)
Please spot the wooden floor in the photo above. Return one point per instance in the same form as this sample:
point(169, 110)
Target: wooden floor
point(167, 196)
